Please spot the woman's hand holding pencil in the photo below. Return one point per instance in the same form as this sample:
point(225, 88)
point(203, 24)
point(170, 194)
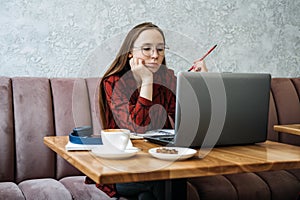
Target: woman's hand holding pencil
point(199, 65)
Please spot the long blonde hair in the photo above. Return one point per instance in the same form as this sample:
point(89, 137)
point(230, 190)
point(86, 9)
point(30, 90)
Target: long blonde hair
point(120, 65)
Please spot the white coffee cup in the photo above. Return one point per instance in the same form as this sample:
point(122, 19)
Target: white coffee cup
point(115, 139)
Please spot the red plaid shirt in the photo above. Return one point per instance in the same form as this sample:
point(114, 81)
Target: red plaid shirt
point(109, 189)
point(126, 109)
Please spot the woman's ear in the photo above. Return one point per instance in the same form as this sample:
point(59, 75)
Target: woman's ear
point(129, 55)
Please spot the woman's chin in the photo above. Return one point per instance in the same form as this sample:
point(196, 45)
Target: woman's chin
point(153, 69)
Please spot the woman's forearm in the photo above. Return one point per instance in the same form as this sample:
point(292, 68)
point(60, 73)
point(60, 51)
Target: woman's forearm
point(147, 90)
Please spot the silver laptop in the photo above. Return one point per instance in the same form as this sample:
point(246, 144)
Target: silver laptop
point(219, 109)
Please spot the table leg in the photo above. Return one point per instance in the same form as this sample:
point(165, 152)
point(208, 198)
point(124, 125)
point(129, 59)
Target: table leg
point(176, 189)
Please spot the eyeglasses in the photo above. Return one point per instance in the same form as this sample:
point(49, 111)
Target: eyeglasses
point(148, 50)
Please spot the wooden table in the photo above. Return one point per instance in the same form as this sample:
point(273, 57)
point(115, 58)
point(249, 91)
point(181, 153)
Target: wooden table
point(143, 167)
point(289, 128)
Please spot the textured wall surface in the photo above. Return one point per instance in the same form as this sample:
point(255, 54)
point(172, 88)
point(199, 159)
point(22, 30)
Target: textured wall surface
point(55, 38)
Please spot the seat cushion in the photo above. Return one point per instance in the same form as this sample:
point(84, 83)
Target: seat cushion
point(44, 189)
point(10, 191)
point(286, 100)
point(295, 172)
point(287, 104)
point(33, 120)
point(272, 120)
point(192, 193)
point(7, 144)
point(282, 184)
point(214, 188)
point(71, 109)
point(93, 91)
point(80, 190)
point(296, 82)
point(258, 189)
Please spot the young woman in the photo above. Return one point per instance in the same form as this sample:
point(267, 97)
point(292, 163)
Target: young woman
point(137, 92)
point(137, 79)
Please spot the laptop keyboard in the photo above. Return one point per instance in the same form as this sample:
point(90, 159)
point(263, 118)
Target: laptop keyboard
point(161, 139)
point(168, 138)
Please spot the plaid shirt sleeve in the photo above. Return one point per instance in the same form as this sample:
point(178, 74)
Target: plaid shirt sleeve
point(109, 189)
point(129, 110)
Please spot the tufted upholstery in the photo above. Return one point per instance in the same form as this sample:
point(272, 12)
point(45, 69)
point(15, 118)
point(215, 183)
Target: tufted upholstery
point(31, 108)
point(284, 108)
point(286, 93)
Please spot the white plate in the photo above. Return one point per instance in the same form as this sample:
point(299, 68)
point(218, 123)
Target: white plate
point(103, 152)
point(183, 153)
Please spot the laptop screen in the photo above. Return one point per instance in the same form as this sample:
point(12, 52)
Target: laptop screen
point(216, 109)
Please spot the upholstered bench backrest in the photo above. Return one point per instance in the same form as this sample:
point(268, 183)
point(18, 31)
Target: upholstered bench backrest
point(284, 108)
point(31, 108)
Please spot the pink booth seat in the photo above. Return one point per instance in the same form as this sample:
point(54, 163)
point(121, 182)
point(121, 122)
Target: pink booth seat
point(30, 109)
point(284, 108)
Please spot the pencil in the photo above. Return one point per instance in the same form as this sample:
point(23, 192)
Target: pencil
point(202, 58)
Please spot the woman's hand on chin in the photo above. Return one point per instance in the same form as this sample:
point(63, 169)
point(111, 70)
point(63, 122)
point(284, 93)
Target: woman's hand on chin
point(140, 72)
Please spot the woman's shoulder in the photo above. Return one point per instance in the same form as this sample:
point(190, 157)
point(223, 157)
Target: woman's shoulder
point(120, 80)
point(111, 78)
point(171, 74)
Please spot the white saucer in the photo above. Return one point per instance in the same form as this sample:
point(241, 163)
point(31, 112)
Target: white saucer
point(103, 152)
point(183, 153)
